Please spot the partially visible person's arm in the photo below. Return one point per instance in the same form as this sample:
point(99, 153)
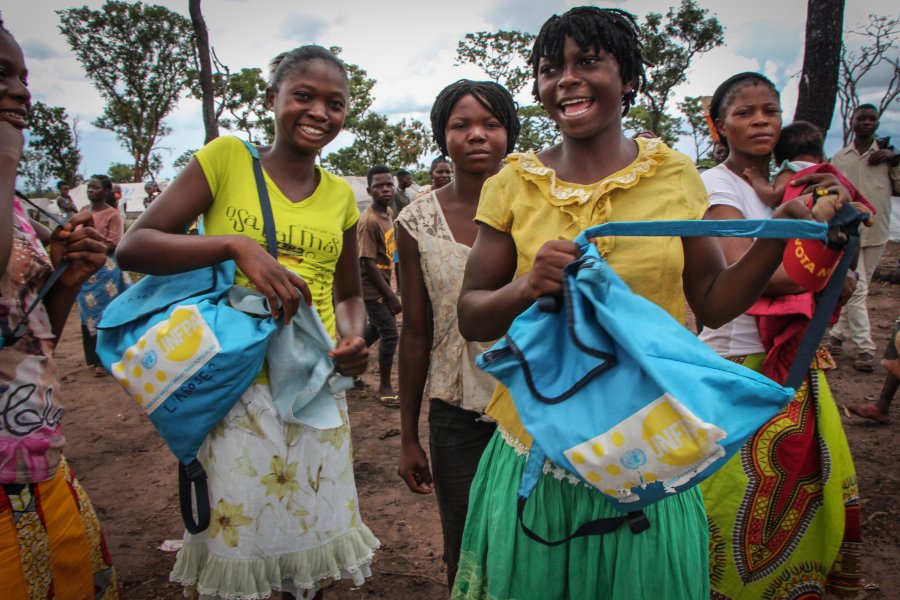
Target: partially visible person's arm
point(373, 274)
point(415, 359)
point(351, 355)
point(720, 283)
point(766, 191)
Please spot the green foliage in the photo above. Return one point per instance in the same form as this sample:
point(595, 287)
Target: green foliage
point(34, 169)
point(240, 102)
point(183, 159)
point(421, 177)
point(538, 129)
point(121, 173)
point(641, 118)
point(502, 55)
point(670, 46)
point(376, 141)
point(52, 145)
point(138, 56)
point(360, 92)
point(698, 127)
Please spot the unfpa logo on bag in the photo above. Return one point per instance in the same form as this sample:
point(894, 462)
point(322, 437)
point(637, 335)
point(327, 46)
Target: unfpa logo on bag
point(662, 442)
point(181, 336)
point(166, 356)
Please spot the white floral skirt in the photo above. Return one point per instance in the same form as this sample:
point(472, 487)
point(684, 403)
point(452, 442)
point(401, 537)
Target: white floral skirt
point(284, 512)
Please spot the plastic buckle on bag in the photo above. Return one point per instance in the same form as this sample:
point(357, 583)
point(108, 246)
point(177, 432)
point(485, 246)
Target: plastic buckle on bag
point(195, 470)
point(638, 521)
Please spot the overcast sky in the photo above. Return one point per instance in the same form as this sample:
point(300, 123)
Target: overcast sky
point(409, 48)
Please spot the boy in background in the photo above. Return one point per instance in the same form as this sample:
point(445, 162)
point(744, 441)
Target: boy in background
point(376, 258)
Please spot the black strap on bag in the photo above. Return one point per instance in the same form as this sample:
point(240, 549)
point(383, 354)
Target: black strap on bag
point(192, 486)
point(844, 227)
point(637, 521)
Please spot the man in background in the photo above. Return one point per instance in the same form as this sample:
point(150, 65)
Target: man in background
point(872, 166)
point(377, 244)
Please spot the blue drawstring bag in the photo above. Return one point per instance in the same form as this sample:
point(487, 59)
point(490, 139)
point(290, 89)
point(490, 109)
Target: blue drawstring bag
point(182, 352)
point(615, 391)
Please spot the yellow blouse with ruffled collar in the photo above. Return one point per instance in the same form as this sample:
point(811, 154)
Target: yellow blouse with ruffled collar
point(528, 201)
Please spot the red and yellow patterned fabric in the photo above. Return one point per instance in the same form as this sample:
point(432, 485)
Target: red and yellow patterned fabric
point(784, 512)
point(51, 546)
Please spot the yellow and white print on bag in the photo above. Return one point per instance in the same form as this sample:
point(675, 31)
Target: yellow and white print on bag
point(664, 441)
point(166, 357)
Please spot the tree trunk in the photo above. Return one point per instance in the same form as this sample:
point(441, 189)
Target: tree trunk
point(821, 62)
point(206, 82)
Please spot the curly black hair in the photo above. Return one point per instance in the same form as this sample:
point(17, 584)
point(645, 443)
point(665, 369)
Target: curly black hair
point(611, 29)
point(495, 99)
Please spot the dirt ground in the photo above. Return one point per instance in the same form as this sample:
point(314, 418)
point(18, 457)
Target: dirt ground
point(131, 477)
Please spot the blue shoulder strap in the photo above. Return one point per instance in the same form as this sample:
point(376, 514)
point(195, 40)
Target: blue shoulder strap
point(265, 205)
point(847, 219)
point(763, 228)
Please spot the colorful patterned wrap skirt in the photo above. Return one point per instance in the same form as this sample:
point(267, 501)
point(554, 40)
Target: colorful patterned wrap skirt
point(51, 545)
point(499, 562)
point(784, 512)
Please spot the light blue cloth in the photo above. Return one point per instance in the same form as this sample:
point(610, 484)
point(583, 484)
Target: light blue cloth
point(302, 376)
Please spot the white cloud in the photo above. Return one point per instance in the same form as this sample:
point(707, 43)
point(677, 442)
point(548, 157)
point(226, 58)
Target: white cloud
point(303, 29)
point(38, 50)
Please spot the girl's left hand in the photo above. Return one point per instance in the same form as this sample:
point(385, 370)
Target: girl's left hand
point(351, 357)
point(79, 244)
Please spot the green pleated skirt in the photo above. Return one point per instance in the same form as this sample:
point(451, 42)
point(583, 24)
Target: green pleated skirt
point(498, 561)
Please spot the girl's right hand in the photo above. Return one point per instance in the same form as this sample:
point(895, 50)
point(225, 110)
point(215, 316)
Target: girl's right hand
point(546, 274)
point(281, 286)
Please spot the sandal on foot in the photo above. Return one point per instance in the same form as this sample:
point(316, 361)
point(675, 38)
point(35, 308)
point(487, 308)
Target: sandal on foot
point(835, 346)
point(868, 411)
point(863, 363)
point(390, 401)
point(100, 372)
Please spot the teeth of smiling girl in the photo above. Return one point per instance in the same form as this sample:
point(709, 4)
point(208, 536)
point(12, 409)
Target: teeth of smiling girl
point(12, 115)
point(574, 108)
point(311, 130)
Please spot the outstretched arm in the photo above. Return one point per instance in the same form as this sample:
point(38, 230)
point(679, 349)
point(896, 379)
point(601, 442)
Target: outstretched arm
point(723, 278)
